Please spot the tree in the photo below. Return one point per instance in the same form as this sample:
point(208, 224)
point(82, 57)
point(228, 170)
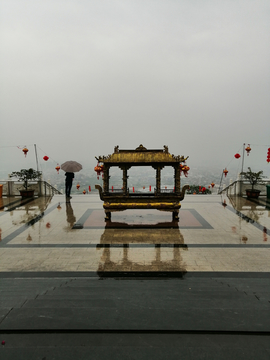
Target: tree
point(26, 176)
point(253, 177)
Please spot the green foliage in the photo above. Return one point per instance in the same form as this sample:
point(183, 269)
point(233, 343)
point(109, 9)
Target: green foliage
point(195, 189)
point(253, 177)
point(26, 176)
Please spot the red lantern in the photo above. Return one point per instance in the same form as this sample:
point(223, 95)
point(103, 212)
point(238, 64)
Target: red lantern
point(225, 172)
point(84, 192)
point(99, 169)
point(57, 168)
point(89, 188)
point(268, 156)
point(212, 184)
point(78, 186)
point(185, 169)
point(48, 225)
point(248, 149)
point(25, 150)
point(237, 156)
point(203, 189)
point(46, 158)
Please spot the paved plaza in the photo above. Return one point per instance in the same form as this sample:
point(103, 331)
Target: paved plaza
point(142, 285)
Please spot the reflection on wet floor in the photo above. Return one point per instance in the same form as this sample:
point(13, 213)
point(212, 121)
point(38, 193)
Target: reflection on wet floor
point(71, 219)
point(123, 261)
point(170, 261)
point(51, 235)
point(253, 211)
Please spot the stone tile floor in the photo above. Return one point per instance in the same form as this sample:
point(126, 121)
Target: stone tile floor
point(214, 234)
point(194, 290)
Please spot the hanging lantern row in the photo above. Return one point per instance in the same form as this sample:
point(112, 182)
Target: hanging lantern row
point(99, 170)
point(237, 156)
point(45, 158)
point(225, 172)
point(248, 149)
point(25, 151)
point(184, 169)
point(268, 156)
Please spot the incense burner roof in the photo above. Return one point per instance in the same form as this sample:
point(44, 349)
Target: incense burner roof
point(141, 155)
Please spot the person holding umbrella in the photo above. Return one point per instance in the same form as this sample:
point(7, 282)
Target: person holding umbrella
point(70, 167)
point(68, 183)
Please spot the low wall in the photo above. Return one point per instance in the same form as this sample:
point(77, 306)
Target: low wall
point(42, 188)
point(239, 188)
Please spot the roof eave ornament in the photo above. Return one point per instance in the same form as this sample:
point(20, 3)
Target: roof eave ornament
point(141, 148)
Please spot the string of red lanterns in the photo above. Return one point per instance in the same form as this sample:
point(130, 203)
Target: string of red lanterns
point(268, 156)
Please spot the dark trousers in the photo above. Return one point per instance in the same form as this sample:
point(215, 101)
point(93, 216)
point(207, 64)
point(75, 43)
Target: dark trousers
point(68, 188)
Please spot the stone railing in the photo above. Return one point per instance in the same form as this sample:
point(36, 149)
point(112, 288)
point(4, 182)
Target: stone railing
point(239, 187)
point(42, 188)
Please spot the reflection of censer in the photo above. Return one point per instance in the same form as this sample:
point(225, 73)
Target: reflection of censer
point(142, 264)
point(175, 264)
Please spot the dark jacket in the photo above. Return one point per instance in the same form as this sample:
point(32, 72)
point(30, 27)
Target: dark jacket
point(69, 177)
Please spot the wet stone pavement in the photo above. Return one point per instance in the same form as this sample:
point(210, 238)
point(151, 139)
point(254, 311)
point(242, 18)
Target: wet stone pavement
point(140, 286)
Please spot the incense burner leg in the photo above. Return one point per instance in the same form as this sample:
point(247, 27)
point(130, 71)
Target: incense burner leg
point(175, 215)
point(108, 215)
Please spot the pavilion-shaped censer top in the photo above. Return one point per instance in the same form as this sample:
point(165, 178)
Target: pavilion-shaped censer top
point(141, 156)
point(122, 199)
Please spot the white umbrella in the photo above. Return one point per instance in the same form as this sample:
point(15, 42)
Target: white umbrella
point(71, 166)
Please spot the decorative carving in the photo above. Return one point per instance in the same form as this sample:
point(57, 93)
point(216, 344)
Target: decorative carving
point(179, 158)
point(141, 148)
point(116, 149)
point(166, 149)
point(184, 189)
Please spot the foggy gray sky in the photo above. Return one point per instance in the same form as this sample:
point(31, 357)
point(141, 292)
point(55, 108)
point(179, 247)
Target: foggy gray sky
point(79, 77)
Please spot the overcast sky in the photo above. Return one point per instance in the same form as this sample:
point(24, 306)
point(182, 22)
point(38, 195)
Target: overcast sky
point(79, 77)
